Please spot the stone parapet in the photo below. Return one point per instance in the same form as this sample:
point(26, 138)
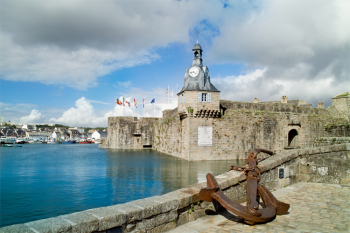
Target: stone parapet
point(329, 164)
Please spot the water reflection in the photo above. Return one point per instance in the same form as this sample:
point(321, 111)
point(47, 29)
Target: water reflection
point(41, 181)
point(147, 173)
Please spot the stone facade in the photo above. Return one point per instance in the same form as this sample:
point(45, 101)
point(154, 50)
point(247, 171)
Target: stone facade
point(244, 126)
point(237, 127)
point(129, 133)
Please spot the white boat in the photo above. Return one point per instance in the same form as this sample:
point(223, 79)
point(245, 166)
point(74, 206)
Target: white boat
point(8, 140)
point(97, 141)
point(52, 141)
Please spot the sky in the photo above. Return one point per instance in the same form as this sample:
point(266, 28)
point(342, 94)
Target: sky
point(65, 62)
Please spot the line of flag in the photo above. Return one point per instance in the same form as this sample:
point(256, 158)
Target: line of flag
point(127, 103)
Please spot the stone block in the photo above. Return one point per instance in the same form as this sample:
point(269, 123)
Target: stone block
point(166, 217)
point(183, 218)
point(145, 224)
point(347, 146)
point(326, 149)
point(81, 222)
point(185, 199)
point(341, 147)
point(50, 225)
point(164, 228)
point(132, 213)
point(109, 217)
point(16, 228)
point(303, 152)
point(230, 178)
point(167, 202)
point(345, 180)
point(316, 150)
point(149, 207)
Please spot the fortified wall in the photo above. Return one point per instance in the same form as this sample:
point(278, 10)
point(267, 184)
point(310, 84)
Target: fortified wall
point(243, 126)
point(129, 133)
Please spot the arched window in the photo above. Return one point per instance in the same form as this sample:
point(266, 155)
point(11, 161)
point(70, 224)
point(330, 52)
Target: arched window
point(291, 138)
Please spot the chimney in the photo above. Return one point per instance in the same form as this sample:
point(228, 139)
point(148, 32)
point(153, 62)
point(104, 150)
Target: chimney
point(284, 99)
point(320, 104)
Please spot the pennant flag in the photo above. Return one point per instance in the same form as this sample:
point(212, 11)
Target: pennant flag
point(153, 101)
point(135, 103)
point(167, 91)
point(116, 101)
point(129, 104)
point(123, 101)
point(143, 103)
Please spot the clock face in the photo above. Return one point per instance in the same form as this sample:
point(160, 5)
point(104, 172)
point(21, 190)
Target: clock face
point(194, 71)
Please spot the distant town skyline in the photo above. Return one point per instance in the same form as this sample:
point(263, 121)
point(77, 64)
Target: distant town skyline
point(65, 62)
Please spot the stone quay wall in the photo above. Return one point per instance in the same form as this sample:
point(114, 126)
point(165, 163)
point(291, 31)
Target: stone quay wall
point(129, 133)
point(330, 164)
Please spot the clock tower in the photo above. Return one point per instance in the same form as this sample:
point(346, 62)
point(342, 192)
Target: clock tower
point(198, 93)
point(198, 107)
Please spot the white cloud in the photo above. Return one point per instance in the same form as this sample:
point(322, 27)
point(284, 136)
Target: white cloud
point(255, 85)
point(34, 117)
point(83, 115)
point(73, 43)
point(303, 47)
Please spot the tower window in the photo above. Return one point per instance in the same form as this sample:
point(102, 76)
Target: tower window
point(204, 97)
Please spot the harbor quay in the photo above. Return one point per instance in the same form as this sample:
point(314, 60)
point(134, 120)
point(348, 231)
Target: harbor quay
point(314, 181)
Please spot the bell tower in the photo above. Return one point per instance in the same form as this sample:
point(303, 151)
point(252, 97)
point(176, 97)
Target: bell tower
point(198, 108)
point(198, 97)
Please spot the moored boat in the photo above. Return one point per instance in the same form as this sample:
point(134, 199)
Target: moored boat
point(83, 141)
point(69, 141)
point(52, 141)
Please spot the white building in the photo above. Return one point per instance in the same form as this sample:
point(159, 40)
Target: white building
point(99, 135)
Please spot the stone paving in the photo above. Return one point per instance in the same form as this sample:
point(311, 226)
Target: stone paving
point(313, 208)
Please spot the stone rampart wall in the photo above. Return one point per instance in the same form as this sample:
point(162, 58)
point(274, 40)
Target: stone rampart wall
point(162, 213)
point(240, 130)
point(129, 132)
point(271, 107)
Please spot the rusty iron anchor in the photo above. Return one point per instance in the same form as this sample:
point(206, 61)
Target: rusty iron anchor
point(251, 213)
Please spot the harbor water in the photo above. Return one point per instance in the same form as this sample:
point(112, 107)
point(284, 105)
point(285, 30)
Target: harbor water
point(39, 181)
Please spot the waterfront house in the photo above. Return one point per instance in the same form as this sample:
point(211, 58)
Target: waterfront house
point(56, 135)
point(99, 135)
point(74, 133)
point(20, 133)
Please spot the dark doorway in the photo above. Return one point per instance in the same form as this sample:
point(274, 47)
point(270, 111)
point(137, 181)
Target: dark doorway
point(291, 135)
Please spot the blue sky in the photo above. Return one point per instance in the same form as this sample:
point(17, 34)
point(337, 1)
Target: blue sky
point(65, 62)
